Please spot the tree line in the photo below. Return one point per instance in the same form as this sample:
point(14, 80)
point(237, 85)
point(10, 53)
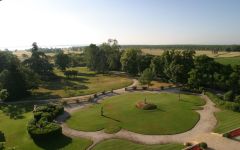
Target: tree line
point(18, 79)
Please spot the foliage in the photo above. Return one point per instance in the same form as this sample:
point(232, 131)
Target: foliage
point(146, 77)
point(104, 57)
point(203, 145)
point(224, 104)
point(3, 94)
point(229, 96)
point(15, 78)
point(62, 60)
point(237, 99)
point(149, 106)
point(130, 61)
point(38, 62)
point(42, 125)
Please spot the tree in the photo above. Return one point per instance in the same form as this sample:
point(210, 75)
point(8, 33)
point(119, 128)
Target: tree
point(38, 62)
point(96, 59)
point(62, 60)
point(146, 77)
point(15, 78)
point(157, 66)
point(130, 60)
point(3, 94)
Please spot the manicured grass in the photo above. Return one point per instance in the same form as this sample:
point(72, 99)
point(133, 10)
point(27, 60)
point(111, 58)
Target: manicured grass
point(228, 60)
point(227, 120)
point(87, 82)
point(171, 117)
point(116, 144)
point(16, 135)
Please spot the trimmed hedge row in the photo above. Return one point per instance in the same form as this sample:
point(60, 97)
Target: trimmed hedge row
point(224, 104)
point(42, 125)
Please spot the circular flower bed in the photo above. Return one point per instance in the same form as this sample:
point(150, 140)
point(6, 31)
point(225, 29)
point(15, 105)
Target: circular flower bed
point(146, 106)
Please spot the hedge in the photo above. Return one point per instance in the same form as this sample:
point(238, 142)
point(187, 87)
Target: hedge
point(224, 104)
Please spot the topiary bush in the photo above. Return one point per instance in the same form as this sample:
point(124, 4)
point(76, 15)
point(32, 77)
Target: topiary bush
point(203, 145)
point(227, 135)
point(149, 106)
point(42, 125)
point(43, 129)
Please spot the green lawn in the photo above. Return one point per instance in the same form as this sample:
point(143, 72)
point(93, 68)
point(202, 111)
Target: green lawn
point(15, 130)
point(228, 60)
point(227, 120)
point(116, 144)
point(171, 117)
point(87, 82)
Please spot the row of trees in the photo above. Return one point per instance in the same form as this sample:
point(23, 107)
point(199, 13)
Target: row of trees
point(182, 67)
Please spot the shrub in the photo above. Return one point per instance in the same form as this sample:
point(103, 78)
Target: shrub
point(103, 92)
point(2, 137)
point(2, 146)
point(237, 99)
point(229, 96)
point(149, 106)
point(42, 126)
point(162, 87)
point(90, 99)
point(43, 129)
point(227, 135)
point(134, 87)
point(95, 96)
point(77, 101)
point(64, 102)
point(203, 145)
point(144, 88)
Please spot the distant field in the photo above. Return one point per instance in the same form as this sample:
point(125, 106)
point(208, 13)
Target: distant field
point(117, 144)
point(229, 60)
point(232, 58)
point(200, 52)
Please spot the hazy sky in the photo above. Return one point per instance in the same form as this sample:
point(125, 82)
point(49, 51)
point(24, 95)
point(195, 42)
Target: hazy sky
point(67, 22)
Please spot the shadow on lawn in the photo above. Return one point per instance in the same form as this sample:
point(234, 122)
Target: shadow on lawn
point(65, 82)
point(54, 143)
point(16, 111)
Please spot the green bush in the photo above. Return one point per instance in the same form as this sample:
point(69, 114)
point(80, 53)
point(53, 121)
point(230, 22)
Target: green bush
point(226, 135)
point(162, 87)
point(149, 106)
point(2, 146)
point(203, 145)
point(42, 129)
point(2, 137)
point(42, 125)
point(224, 104)
point(228, 96)
point(237, 99)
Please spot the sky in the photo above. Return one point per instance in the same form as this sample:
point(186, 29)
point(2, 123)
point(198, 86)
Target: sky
point(81, 22)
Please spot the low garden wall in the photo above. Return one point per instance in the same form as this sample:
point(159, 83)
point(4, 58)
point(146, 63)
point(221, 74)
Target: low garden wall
point(233, 133)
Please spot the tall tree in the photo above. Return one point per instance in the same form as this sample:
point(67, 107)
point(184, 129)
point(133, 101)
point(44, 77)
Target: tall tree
point(38, 62)
point(62, 60)
point(130, 60)
point(146, 77)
